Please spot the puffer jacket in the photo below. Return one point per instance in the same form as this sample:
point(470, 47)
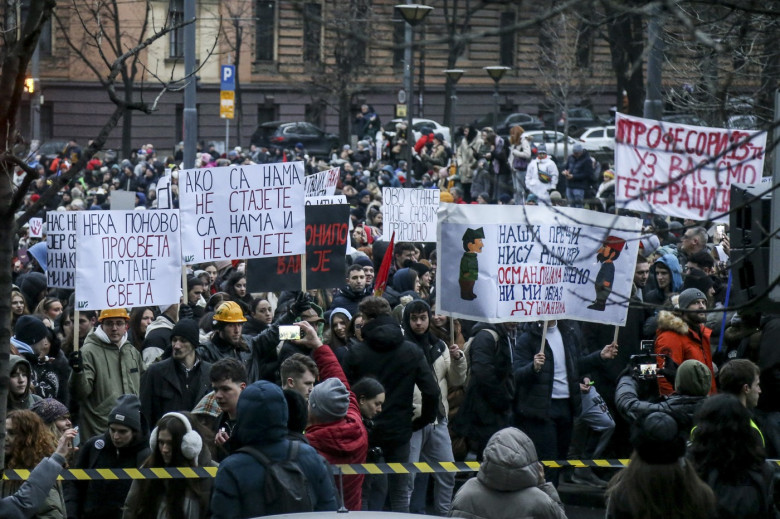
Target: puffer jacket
point(508, 483)
point(262, 423)
point(345, 440)
point(675, 338)
point(109, 371)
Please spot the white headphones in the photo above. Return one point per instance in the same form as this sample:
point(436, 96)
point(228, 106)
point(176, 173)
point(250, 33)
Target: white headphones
point(191, 442)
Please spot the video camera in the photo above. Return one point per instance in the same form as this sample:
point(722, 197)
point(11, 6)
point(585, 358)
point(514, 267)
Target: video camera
point(644, 366)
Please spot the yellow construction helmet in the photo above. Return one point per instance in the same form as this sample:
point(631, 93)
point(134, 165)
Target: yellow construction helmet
point(229, 312)
point(113, 312)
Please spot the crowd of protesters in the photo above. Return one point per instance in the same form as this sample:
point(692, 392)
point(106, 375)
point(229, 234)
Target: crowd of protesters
point(379, 377)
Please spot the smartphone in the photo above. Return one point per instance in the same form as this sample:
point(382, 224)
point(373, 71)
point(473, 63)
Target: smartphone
point(720, 232)
point(290, 333)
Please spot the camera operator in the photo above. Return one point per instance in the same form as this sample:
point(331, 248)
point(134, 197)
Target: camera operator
point(691, 385)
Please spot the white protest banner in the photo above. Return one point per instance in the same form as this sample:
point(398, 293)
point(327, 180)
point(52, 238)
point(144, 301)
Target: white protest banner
point(61, 249)
point(36, 227)
point(127, 259)
point(238, 212)
point(321, 184)
point(411, 213)
point(681, 170)
point(326, 200)
point(163, 192)
point(509, 263)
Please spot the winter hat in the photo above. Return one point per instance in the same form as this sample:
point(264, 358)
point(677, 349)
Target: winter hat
point(688, 297)
point(127, 412)
point(657, 440)
point(29, 330)
point(338, 310)
point(420, 268)
point(363, 261)
point(504, 199)
point(329, 400)
point(693, 378)
point(576, 148)
point(49, 409)
point(187, 329)
point(31, 286)
point(648, 244)
point(439, 136)
point(555, 196)
point(532, 198)
point(38, 251)
point(699, 280)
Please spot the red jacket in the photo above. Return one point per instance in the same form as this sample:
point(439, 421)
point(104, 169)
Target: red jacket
point(342, 441)
point(675, 338)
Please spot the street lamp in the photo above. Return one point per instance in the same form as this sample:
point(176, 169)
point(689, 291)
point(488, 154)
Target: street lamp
point(496, 73)
point(413, 14)
point(453, 75)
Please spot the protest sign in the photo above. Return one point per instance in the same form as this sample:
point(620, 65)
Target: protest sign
point(507, 263)
point(327, 236)
point(127, 259)
point(122, 200)
point(61, 249)
point(238, 212)
point(681, 170)
point(410, 213)
point(322, 183)
point(36, 227)
point(326, 200)
point(163, 192)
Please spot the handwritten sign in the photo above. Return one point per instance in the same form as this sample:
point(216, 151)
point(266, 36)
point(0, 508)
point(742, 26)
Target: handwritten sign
point(502, 263)
point(238, 212)
point(327, 235)
point(127, 259)
point(410, 213)
point(681, 170)
point(326, 200)
point(164, 194)
point(321, 184)
point(61, 249)
point(36, 227)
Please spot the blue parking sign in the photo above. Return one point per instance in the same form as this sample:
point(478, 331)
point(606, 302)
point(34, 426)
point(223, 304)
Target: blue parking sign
point(228, 77)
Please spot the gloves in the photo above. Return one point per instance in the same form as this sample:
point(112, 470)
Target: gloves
point(75, 361)
point(301, 304)
point(669, 371)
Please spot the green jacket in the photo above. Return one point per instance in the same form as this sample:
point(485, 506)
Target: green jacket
point(109, 371)
point(469, 269)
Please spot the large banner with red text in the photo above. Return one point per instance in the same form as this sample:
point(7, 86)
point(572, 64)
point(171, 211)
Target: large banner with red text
point(680, 170)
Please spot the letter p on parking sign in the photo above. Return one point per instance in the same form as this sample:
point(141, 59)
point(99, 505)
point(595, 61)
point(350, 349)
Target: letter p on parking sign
point(228, 77)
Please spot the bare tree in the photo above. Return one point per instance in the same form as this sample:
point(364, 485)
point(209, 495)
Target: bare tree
point(238, 17)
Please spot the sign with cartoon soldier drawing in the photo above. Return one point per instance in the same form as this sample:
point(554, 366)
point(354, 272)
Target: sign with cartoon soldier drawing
point(510, 263)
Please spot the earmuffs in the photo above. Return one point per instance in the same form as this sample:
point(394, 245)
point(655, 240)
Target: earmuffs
point(191, 442)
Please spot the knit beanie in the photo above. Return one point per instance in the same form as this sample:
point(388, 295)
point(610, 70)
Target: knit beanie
point(693, 378)
point(363, 261)
point(697, 279)
point(688, 297)
point(127, 412)
point(49, 409)
point(329, 400)
point(29, 330)
point(657, 440)
point(187, 329)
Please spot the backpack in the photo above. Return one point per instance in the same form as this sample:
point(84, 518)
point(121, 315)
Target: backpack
point(286, 486)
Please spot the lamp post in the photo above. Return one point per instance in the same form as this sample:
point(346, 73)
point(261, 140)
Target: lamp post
point(413, 14)
point(453, 75)
point(496, 73)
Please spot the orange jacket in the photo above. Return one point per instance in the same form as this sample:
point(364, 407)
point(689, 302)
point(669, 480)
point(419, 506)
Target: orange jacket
point(675, 338)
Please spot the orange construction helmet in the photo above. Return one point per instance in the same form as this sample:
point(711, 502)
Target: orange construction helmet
point(113, 312)
point(229, 312)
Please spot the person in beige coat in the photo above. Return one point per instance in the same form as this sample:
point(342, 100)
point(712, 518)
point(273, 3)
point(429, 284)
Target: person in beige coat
point(510, 483)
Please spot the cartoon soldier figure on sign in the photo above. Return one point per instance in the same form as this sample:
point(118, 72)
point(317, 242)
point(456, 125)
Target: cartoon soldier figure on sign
point(607, 254)
point(469, 267)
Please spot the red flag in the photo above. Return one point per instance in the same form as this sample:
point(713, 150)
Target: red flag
point(380, 282)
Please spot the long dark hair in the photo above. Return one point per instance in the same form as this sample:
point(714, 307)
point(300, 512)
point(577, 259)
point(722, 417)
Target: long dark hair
point(724, 439)
point(671, 491)
point(173, 491)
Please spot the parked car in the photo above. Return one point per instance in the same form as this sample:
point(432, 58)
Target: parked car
point(579, 118)
point(277, 134)
point(598, 139)
point(555, 142)
point(418, 125)
point(507, 120)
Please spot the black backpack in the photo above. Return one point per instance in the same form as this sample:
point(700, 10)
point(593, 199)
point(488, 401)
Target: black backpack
point(286, 486)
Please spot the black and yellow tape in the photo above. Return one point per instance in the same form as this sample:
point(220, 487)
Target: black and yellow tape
point(364, 468)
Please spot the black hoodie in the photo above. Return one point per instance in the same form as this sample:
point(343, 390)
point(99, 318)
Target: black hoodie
point(399, 365)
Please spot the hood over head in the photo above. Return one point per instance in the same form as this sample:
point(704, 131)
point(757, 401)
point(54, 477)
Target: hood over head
point(510, 461)
point(383, 333)
point(262, 414)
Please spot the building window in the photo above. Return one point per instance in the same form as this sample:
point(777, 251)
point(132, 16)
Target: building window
point(399, 35)
point(175, 17)
point(44, 42)
point(312, 32)
point(507, 45)
point(265, 37)
point(266, 113)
